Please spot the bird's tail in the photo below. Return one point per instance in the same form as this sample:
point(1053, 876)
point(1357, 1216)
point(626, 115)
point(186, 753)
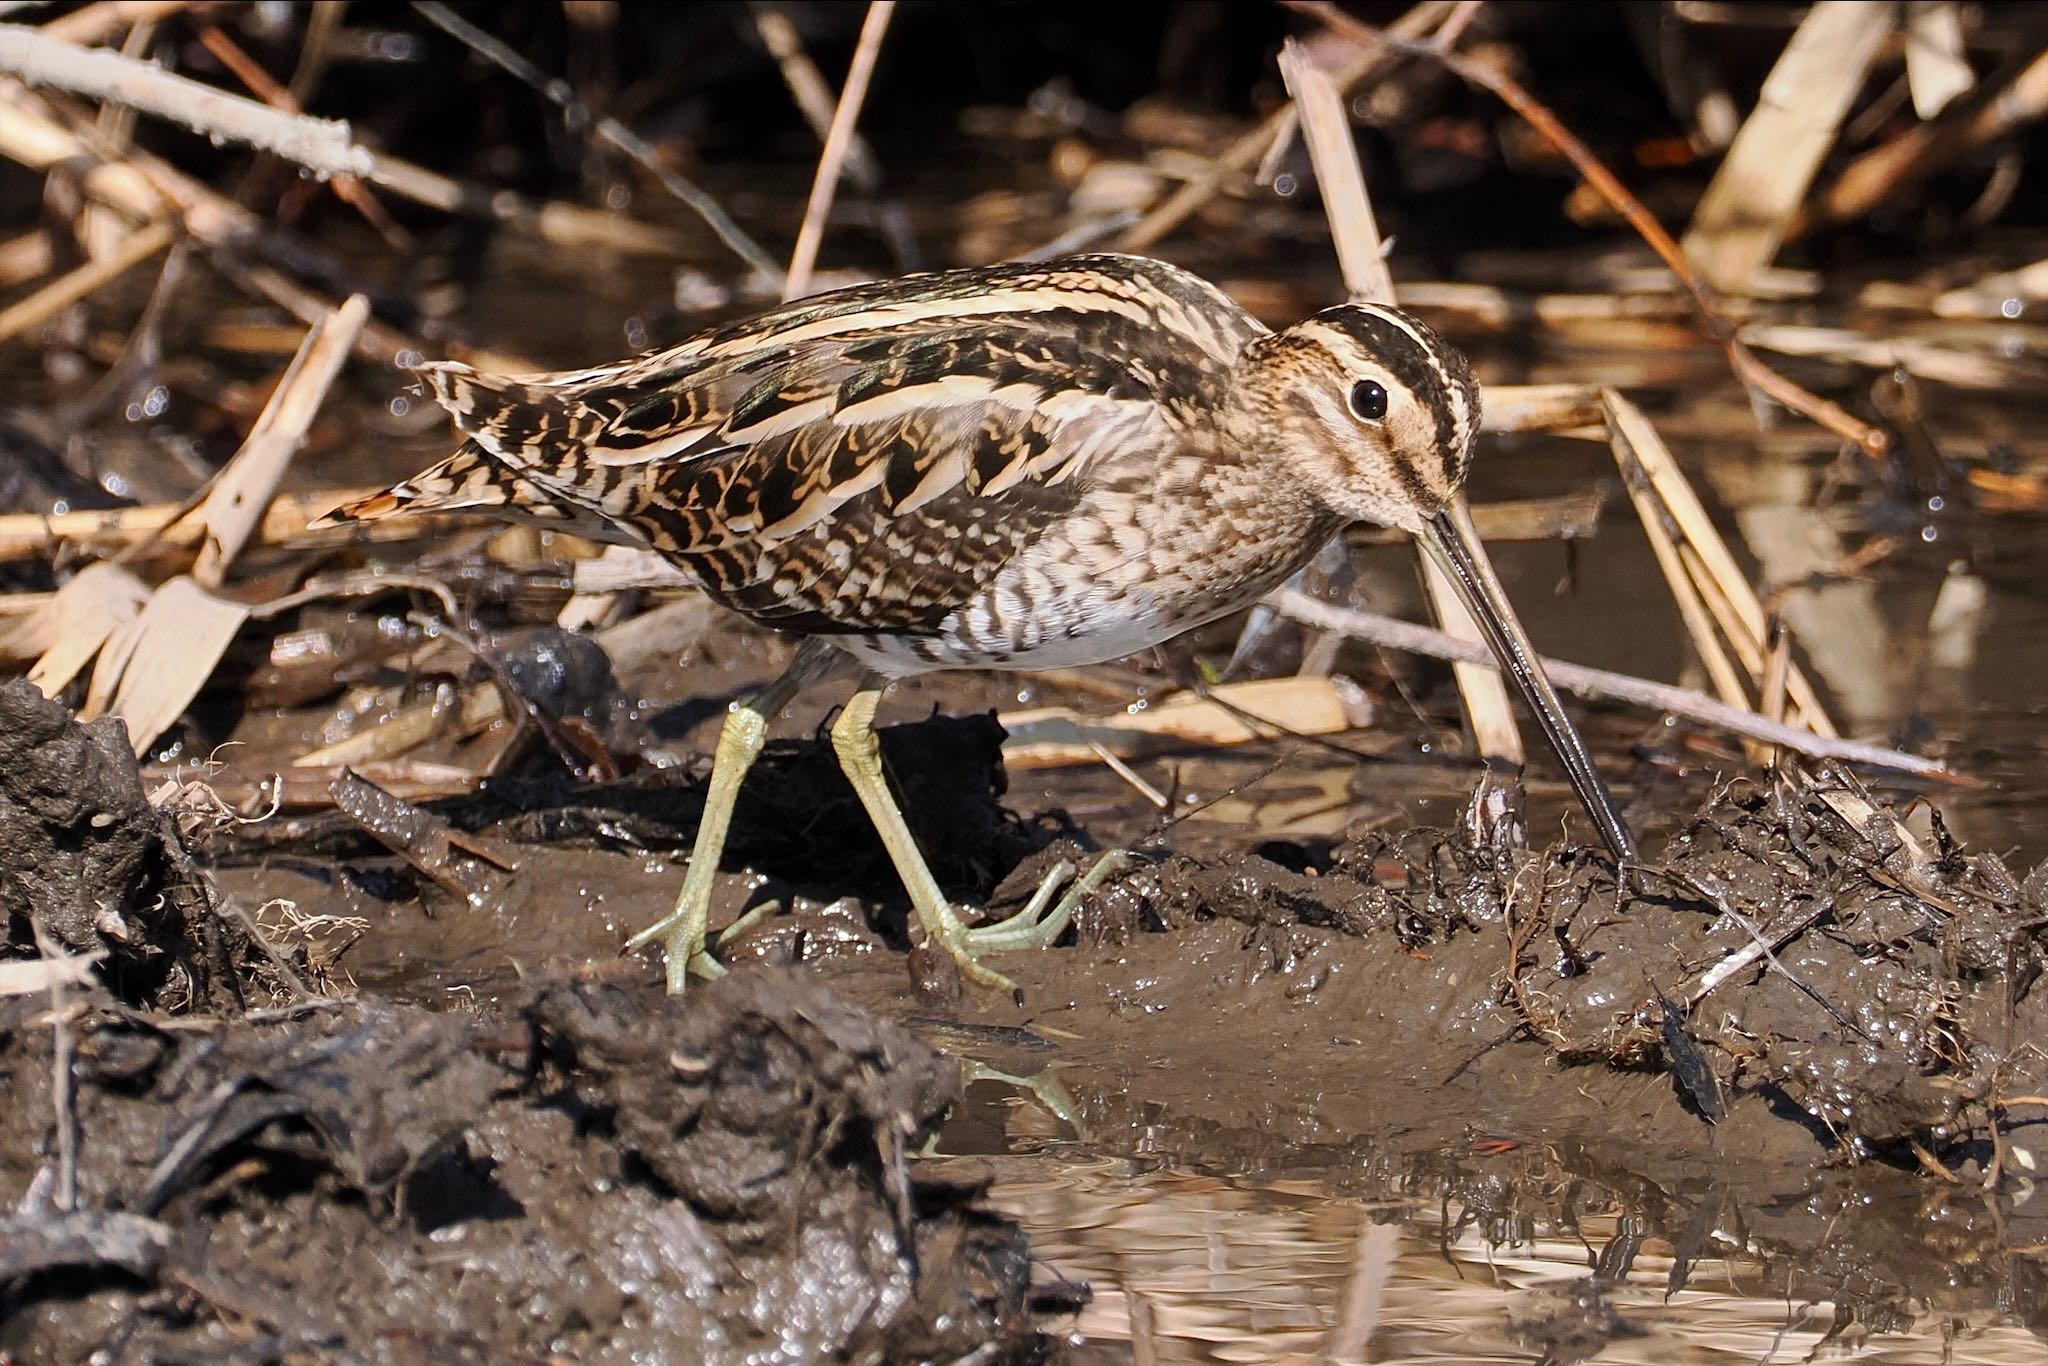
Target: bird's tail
point(511, 425)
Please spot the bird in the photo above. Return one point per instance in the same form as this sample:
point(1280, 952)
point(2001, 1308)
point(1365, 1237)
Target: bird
point(1010, 467)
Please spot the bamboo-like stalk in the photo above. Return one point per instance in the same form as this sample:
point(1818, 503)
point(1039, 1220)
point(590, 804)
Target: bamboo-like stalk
point(1724, 588)
point(1749, 205)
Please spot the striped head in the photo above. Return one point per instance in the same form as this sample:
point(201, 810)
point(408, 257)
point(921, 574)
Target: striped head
point(1372, 412)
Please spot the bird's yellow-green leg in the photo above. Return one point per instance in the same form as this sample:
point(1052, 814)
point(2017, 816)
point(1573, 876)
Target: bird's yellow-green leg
point(860, 756)
point(740, 742)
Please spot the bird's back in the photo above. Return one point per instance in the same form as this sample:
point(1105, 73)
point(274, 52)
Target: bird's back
point(866, 461)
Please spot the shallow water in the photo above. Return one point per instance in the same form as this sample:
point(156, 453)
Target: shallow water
point(1194, 1269)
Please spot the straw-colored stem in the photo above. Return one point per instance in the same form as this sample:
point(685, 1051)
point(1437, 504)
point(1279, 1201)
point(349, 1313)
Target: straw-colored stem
point(838, 143)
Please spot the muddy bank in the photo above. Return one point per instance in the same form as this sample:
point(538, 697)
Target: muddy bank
point(593, 1175)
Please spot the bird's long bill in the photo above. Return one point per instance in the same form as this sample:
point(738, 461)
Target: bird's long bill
point(1447, 539)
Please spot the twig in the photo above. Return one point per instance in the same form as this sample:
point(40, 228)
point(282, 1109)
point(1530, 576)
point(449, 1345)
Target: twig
point(1718, 898)
point(814, 99)
point(63, 1081)
point(610, 129)
point(1773, 938)
point(838, 142)
point(1604, 684)
point(125, 176)
point(103, 19)
point(323, 146)
point(1747, 366)
point(347, 188)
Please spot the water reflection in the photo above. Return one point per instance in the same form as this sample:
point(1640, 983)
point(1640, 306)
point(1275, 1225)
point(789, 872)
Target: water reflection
point(1199, 1269)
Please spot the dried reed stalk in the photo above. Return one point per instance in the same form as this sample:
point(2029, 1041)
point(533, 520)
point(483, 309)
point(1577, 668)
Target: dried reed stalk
point(1673, 514)
point(1411, 638)
point(34, 535)
point(1230, 714)
point(70, 287)
point(1747, 366)
point(323, 146)
point(1881, 173)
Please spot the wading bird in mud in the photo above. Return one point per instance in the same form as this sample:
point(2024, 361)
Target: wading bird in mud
point(1017, 467)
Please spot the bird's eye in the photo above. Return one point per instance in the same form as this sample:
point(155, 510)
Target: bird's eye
point(1369, 399)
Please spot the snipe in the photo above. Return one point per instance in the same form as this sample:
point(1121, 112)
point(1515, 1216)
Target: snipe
point(1014, 467)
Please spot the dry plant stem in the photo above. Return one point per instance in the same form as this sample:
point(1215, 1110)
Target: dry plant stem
point(1777, 661)
point(814, 98)
point(611, 130)
point(90, 23)
point(1604, 684)
point(1326, 127)
point(1742, 217)
point(63, 1080)
point(31, 535)
point(323, 146)
point(1229, 714)
point(1711, 566)
point(27, 134)
point(69, 288)
point(1692, 610)
point(1746, 365)
point(838, 143)
point(242, 491)
point(1246, 152)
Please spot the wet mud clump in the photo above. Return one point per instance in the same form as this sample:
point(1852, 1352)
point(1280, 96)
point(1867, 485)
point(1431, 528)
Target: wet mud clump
point(593, 1175)
point(89, 866)
point(1795, 949)
point(80, 846)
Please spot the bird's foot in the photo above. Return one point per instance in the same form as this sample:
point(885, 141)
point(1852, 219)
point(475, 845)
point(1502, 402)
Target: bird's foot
point(683, 932)
point(1037, 925)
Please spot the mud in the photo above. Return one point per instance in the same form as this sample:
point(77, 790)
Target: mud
point(591, 1174)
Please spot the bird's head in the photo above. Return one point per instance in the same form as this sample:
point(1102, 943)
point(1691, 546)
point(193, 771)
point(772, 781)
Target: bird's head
point(1368, 409)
